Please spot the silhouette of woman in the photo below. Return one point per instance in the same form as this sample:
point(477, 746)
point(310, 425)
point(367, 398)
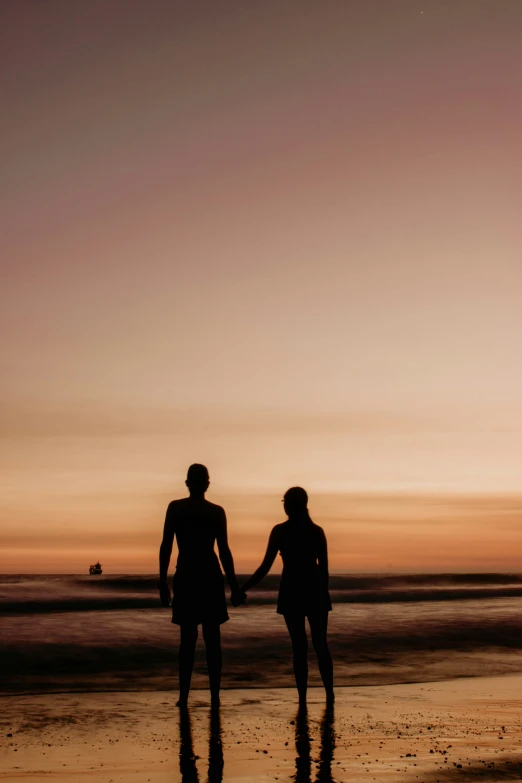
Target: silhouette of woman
point(198, 586)
point(303, 592)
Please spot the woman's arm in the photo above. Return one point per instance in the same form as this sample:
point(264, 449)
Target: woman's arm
point(322, 556)
point(268, 560)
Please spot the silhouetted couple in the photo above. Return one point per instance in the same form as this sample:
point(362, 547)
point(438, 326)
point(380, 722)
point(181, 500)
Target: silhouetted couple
point(199, 591)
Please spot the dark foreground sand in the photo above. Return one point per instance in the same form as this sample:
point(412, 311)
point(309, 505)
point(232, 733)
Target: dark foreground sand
point(461, 730)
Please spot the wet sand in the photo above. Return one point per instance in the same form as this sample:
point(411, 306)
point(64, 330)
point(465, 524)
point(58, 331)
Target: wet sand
point(467, 730)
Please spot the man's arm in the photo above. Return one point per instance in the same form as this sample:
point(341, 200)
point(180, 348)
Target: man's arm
point(268, 560)
point(164, 555)
point(225, 555)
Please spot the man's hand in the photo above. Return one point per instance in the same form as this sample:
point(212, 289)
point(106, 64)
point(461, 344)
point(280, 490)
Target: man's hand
point(164, 594)
point(238, 597)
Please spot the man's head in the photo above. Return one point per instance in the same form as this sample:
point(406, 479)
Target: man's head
point(295, 501)
point(197, 479)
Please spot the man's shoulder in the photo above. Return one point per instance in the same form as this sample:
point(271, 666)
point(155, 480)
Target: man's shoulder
point(214, 508)
point(177, 505)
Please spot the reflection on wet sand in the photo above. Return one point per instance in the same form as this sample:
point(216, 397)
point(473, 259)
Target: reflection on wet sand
point(215, 748)
point(303, 745)
point(187, 758)
point(324, 773)
point(303, 761)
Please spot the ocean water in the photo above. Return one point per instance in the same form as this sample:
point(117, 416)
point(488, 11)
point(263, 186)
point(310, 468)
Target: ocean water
point(74, 633)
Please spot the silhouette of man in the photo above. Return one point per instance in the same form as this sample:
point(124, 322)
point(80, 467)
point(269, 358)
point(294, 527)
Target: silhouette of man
point(198, 585)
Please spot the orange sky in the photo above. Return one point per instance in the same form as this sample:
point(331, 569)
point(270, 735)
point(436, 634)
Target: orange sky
point(282, 239)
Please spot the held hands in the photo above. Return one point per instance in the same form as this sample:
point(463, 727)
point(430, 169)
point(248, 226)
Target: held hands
point(238, 596)
point(164, 594)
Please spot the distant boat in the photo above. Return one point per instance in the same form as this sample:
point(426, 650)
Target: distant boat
point(95, 569)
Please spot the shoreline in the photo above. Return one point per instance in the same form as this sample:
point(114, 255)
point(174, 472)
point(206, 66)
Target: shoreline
point(454, 729)
point(226, 689)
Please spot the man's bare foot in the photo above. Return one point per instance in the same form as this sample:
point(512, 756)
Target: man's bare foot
point(182, 702)
point(330, 696)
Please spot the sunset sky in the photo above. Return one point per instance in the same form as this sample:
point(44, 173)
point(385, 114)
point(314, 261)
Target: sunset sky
point(279, 238)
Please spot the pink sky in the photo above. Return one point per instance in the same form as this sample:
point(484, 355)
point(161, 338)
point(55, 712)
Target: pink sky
point(282, 239)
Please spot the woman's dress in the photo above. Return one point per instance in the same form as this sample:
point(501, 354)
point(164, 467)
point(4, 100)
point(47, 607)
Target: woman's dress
point(304, 585)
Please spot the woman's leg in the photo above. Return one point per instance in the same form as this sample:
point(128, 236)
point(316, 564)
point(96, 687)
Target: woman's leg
point(318, 628)
point(297, 631)
point(187, 646)
point(212, 637)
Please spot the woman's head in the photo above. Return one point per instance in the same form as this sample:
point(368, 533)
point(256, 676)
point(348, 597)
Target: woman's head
point(296, 502)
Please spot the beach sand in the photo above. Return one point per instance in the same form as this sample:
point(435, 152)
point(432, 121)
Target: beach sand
point(466, 730)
